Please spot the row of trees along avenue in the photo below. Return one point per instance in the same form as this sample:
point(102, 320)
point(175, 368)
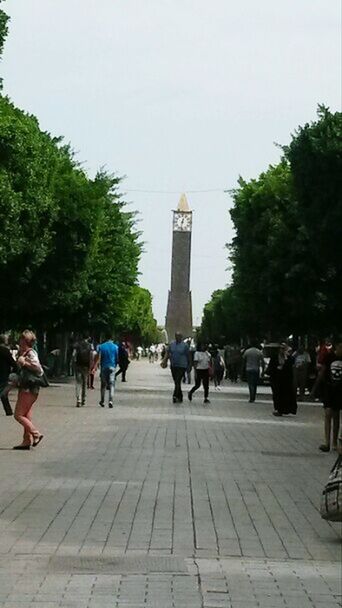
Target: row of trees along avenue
point(286, 256)
point(69, 248)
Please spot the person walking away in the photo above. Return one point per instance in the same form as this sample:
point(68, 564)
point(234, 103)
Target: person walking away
point(91, 375)
point(323, 351)
point(192, 349)
point(28, 360)
point(107, 358)
point(54, 362)
point(123, 361)
point(302, 361)
point(312, 368)
point(226, 356)
point(280, 371)
point(7, 366)
point(82, 357)
point(339, 441)
point(218, 368)
point(187, 373)
point(331, 377)
point(253, 360)
point(178, 353)
point(151, 353)
point(235, 364)
point(202, 361)
point(70, 351)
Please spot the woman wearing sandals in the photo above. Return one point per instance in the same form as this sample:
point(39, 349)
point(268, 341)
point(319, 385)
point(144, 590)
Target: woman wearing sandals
point(28, 360)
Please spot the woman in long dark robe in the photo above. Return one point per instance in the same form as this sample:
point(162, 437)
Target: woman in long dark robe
point(280, 370)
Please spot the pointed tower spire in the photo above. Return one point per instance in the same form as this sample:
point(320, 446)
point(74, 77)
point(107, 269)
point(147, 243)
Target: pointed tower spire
point(183, 204)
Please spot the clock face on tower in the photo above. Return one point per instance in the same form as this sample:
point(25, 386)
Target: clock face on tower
point(182, 222)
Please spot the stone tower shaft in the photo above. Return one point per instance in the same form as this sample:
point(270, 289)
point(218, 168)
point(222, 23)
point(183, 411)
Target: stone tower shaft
point(179, 308)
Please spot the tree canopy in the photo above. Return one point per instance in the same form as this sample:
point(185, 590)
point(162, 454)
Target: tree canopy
point(69, 248)
point(286, 253)
point(315, 157)
point(139, 324)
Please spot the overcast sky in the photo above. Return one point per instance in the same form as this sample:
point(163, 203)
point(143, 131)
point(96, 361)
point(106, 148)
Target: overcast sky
point(177, 95)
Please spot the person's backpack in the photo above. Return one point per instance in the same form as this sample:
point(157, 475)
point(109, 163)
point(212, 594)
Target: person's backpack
point(336, 372)
point(83, 353)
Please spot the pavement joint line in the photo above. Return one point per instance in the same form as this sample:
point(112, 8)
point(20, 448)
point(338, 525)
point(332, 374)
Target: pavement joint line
point(122, 414)
point(208, 557)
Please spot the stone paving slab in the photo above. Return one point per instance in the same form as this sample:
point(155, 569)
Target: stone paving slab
point(152, 504)
point(209, 583)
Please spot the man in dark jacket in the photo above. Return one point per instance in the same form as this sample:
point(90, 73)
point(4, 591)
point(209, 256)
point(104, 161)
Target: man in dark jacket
point(7, 365)
point(178, 353)
point(123, 361)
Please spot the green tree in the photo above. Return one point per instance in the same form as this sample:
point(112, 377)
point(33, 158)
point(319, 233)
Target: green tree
point(315, 156)
point(69, 250)
point(61, 284)
point(139, 322)
point(267, 254)
point(28, 209)
point(287, 252)
point(222, 322)
point(113, 267)
point(3, 33)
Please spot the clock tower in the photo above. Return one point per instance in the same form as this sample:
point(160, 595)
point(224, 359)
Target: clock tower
point(179, 307)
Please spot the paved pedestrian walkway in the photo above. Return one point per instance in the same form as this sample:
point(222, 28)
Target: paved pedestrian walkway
point(152, 504)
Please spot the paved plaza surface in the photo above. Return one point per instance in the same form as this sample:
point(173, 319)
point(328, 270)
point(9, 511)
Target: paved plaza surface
point(167, 506)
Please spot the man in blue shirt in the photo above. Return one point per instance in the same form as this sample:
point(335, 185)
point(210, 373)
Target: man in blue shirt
point(178, 353)
point(107, 357)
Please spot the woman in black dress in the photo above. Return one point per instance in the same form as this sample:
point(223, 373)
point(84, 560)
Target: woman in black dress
point(280, 370)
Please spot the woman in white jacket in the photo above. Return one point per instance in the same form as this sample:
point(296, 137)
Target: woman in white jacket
point(202, 362)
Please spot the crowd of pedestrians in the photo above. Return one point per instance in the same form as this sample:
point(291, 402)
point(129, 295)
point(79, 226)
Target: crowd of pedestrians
point(107, 356)
point(22, 371)
point(287, 371)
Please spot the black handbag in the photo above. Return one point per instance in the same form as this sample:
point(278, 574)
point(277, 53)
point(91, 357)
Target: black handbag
point(30, 380)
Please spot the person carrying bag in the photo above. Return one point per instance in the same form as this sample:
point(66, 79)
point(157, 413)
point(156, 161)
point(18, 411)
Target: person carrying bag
point(30, 379)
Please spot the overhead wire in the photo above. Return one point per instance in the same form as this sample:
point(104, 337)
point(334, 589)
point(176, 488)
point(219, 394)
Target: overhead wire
point(176, 191)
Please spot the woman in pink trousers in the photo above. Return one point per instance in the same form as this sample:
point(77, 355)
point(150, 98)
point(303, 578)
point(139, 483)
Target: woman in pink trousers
point(28, 359)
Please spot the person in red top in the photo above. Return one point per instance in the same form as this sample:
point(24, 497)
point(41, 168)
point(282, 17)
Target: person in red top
point(331, 377)
point(324, 350)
